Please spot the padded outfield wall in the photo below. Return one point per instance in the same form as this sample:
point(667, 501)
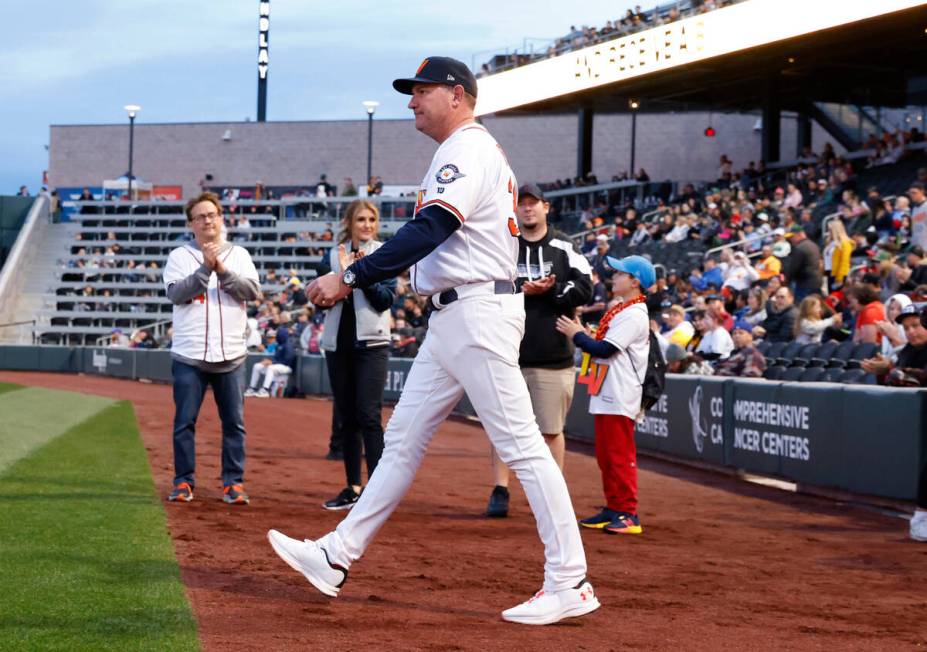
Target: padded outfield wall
point(858, 438)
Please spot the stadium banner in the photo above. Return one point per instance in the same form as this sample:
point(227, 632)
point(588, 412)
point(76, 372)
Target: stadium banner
point(860, 438)
point(109, 362)
point(735, 28)
point(167, 192)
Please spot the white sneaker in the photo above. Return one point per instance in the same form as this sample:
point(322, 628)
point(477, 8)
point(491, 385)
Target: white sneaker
point(919, 526)
point(546, 608)
point(262, 393)
point(249, 392)
point(311, 560)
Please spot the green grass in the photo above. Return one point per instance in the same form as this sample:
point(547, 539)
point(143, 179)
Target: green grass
point(85, 559)
point(33, 416)
point(9, 387)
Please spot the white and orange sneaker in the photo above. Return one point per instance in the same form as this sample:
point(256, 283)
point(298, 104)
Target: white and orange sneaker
point(310, 559)
point(546, 608)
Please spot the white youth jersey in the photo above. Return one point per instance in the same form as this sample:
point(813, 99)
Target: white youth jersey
point(620, 393)
point(470, 177)
point(210, 327)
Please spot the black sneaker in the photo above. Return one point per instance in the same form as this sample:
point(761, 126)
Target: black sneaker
point(601, 519)
point(334, 454)
point(498, 503)
point(344, 500)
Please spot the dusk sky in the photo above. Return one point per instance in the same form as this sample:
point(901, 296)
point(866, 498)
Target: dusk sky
point(69, 62)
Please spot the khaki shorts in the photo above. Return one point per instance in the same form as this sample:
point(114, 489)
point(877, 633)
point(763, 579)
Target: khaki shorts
point(551, 393)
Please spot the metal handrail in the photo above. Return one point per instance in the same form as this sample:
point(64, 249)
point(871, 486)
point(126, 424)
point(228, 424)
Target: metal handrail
point(831, 216)
point(336, 203)
point(100, 341)
point(31, 322)
point(731, 245)
point(610, 228)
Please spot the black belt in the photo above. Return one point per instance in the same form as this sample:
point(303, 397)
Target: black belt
point(450, 296)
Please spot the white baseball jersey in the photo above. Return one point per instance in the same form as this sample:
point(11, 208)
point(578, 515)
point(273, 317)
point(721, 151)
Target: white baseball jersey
point(620, 390)
point(470, 177)
point(211, 327)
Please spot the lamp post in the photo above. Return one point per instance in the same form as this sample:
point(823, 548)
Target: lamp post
point(371, 107)
point(634, 105)
point(132, 110)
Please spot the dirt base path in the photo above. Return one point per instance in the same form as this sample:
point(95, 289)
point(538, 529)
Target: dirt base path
point(721, 564)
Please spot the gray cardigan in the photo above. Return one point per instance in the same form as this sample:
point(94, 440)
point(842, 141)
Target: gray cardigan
point(372, 325)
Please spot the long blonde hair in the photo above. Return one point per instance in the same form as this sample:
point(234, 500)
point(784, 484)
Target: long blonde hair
point(838, 232)
point(347, 222)
point(804, 311)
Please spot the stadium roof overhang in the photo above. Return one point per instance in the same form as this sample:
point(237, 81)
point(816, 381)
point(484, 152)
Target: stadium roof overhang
point(867, 52)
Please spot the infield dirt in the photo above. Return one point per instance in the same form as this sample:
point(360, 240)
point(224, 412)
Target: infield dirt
point(721, 564)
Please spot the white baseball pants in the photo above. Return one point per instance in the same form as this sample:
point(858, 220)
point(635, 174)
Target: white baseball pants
point(270, 373)
point(472, 346)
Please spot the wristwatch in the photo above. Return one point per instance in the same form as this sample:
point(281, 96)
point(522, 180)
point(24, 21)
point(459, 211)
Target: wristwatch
point(348, 278)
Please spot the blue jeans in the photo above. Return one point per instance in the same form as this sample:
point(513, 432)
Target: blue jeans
point(190, 385)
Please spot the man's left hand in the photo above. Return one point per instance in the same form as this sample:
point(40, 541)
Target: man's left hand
point(540, 286)
point(327, 290)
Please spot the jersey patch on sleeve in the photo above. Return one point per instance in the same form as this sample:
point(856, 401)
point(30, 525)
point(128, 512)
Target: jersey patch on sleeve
point(449, 173)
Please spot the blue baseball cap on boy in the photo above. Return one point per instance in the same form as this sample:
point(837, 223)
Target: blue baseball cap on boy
point(637, 266)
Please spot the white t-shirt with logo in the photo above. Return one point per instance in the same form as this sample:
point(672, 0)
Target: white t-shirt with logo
point(470, 177)
point(620, 392)
point(717, 341)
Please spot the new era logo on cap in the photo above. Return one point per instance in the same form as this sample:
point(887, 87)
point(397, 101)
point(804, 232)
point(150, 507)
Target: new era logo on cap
point(439, 70)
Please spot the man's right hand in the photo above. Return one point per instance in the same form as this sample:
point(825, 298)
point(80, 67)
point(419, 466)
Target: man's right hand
point(879, 365)
point(210, 255)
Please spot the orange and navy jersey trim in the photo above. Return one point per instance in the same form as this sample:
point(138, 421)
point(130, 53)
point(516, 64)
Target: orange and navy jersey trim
point(443, 204)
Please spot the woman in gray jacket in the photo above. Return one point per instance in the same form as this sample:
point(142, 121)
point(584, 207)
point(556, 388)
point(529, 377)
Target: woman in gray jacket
point(356, 345)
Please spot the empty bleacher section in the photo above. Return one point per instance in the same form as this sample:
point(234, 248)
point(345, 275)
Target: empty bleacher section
point(107, 273)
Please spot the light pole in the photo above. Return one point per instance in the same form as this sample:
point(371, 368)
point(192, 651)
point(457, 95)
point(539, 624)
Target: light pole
point(634, 106)
point(132, 110)
point(371, 106)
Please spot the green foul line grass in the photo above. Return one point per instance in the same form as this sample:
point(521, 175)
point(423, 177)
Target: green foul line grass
point(86, 560)
point(33, 416)
point(9, 387)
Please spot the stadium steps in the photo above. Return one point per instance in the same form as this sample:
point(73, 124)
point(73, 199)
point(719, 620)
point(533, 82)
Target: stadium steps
point(51, 241)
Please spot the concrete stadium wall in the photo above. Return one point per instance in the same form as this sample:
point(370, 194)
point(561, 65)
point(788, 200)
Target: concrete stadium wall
point(859, 438)
point(540, 148)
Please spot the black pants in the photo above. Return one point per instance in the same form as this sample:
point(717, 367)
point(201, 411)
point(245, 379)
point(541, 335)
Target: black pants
point(358, 377)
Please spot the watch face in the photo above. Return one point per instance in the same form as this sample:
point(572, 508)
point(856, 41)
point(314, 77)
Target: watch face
point(348, 278)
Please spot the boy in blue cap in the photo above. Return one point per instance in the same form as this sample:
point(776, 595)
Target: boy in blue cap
point(615, 377)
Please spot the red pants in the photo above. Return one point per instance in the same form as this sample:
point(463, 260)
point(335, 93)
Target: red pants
point(616, 453)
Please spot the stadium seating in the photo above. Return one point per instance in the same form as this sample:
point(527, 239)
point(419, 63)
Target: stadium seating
point(110, 275)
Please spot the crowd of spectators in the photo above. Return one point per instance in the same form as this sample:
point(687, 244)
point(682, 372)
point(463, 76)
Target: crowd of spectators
point(787, 276)
point(634, 20)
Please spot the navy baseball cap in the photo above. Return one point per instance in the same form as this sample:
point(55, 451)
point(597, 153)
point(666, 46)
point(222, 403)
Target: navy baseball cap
point(439, 70)
point(906, 312)
point(531, 189)
point(637, 266)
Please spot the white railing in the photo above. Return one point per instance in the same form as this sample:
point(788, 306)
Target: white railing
point(13, 269)
point(731, 245)
point(159, 326)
